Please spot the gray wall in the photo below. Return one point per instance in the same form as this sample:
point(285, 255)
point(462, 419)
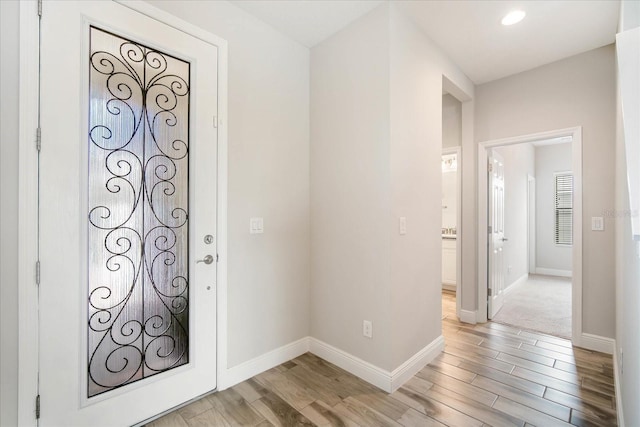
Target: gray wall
point(577, 91)
point(549, 160)
point(519, 161)
point(9, 61)
point(451, 122)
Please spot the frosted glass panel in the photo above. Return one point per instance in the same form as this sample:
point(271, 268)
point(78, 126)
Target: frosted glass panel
point(138, 171)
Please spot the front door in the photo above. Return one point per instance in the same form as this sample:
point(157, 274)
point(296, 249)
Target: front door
point(496, 234)
point(127, 215)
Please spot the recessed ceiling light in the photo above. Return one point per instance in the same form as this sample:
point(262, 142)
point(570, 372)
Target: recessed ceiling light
point(513, 17)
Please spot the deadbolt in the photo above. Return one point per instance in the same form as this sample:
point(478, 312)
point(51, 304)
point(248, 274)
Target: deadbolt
point(208, 239)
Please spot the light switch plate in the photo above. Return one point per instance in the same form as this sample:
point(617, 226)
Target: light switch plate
point(597, 223)
point(403, 225)
point(256, 226)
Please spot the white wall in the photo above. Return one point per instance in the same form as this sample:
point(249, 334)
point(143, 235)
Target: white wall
point(268, 177)
point(9, 61)
point(467, 235)
point(451, 121)
point(451, 137)
point(627, 294)
point(577, 91)
point(629, 15)
point(376, 91)
point(417, 67)
point(549, 160)
point(627, 263)
point(449, 197)
point(519, 162)
point(268, 274)
point(350, 188)
point(268, 283)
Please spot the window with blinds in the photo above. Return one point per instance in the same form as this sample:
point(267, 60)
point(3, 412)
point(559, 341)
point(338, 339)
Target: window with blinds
point(564, 208)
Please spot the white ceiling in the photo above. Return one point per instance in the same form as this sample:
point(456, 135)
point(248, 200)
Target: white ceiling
point(308, 21)
point(469, 31)
point(471, 34)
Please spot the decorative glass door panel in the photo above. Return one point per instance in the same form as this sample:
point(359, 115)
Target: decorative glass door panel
point(138, 227)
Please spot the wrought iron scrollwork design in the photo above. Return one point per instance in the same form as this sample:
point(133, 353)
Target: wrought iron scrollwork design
point(138, 305)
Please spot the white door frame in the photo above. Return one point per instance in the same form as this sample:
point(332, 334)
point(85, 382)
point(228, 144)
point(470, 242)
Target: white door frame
point(458, 152)
point(28, 330)
point(576, 165)
point(531, 224)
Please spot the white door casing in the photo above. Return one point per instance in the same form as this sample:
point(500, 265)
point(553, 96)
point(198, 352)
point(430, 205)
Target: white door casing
point(496, 234)
point(63, 218)
point(531, 223)
point(485, 147)
point(458, 241)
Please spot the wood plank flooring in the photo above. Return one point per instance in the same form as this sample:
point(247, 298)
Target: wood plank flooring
point(489, 375)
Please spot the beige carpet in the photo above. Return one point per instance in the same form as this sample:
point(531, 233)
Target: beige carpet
point(542, 303)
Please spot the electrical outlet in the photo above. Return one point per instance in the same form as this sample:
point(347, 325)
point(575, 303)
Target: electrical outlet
point(367, 328)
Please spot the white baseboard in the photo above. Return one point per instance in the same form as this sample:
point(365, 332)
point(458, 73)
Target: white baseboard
point(408, 369)
point(597, 343)
point(616, 382)
point(253, 367)
point(352, 364)
point(381, 378)
point(553, 272)
point(468, 316)
point(520, 280)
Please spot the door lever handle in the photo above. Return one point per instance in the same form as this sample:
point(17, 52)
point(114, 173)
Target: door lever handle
point(207, 259)
point(504, 239)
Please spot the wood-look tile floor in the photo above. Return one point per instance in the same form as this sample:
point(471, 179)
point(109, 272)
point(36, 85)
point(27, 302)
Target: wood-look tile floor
point(489, 375)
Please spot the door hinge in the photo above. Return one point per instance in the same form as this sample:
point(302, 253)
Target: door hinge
point(38, 273)
point(489, 229)
point(40, 8)
point(217, 257)
point(38, 138)
point(37, 407)
point(215, 121)
point(489, 167)
point(489, 293)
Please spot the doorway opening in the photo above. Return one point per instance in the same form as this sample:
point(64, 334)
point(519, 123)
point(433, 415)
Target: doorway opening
point(451, 204)
point(532, 231)
point(531, 262)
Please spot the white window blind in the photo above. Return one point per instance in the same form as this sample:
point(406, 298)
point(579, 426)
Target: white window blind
point(564, 208)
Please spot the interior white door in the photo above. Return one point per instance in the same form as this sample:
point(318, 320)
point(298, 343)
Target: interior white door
point(127, 197)
point(496, 234)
